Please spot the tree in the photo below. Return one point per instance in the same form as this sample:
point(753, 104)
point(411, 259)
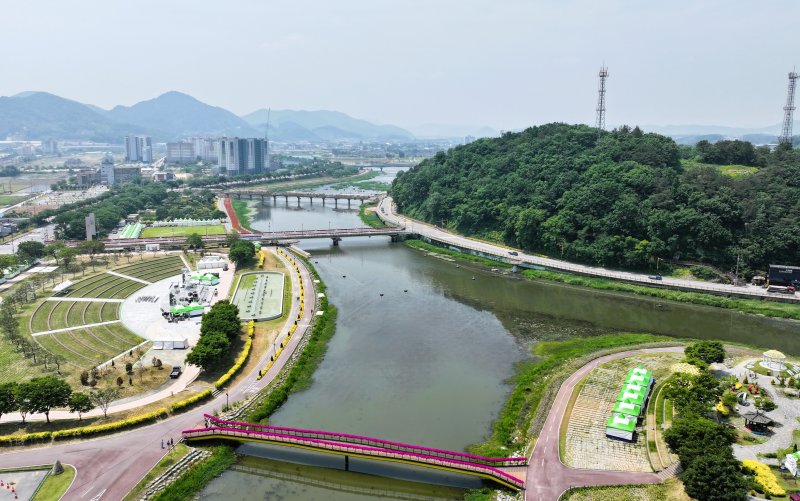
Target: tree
point(8, 398)
point(209, 350)
point(119, 381)
point(693, 394)
point(231, 238)
point(242, 252)
point(30, 250)
point(714, 477)
point(80, 403)
point(6, 261)
point(54, 250)
point(103, 398)
point(691, 437)
point(91, 247)
point(707, 351)
point(43, 393)
point(194, 241)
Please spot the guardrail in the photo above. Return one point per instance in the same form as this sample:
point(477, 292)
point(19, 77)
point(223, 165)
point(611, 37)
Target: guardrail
point(360, 450)
point(369, 441)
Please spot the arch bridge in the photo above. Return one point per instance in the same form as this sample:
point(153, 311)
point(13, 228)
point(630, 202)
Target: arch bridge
point(509, 472)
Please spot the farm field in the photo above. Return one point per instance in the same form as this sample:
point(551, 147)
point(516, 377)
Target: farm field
point(182, 231)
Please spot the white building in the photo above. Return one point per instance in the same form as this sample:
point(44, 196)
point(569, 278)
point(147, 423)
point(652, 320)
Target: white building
point(181, 153)
point(138, 149)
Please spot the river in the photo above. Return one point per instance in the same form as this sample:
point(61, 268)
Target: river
point(422, 354)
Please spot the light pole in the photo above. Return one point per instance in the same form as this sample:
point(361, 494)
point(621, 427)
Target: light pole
point(227, 405)
point(736, 274)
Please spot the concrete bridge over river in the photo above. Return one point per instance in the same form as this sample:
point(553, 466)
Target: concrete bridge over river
point(286, 195)
point(510, 472)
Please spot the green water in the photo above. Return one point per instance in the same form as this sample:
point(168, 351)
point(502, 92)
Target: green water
point(427, 362)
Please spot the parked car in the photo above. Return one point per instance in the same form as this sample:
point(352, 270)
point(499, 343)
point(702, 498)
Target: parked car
point(654, 277)
point(176, 372)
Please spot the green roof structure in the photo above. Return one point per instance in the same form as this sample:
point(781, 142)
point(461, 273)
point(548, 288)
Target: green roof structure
point(633, 394)
point(621, 422)
point(639, 376)
point(186, 309)
point(628, 408)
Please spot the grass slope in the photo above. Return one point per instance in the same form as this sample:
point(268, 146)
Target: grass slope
point(182, 231)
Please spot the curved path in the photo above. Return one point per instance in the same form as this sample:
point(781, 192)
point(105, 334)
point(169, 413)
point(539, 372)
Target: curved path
point(547, 476)
point(388, 213)
point(109, 467)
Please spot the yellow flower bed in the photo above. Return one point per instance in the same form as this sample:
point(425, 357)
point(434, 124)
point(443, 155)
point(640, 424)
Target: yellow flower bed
point(238, 365)
point(684, 368)
point(722, 409)
point(115, 426)
point(188, 402)
point(764, 477)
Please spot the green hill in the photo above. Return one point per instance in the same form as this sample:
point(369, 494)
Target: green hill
point(619, 199)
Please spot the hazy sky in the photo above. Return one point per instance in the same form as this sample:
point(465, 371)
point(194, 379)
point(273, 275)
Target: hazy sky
point(502, 63)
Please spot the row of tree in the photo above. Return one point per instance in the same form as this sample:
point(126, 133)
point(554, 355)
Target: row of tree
point(619, 199)
point(42, 394)
point(219, 327)
point(703, 445)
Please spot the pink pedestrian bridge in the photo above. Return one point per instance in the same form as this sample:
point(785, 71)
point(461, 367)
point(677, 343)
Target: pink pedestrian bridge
point(509, 472)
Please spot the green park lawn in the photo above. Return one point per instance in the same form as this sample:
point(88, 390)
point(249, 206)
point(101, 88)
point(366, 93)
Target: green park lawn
point(182, 231)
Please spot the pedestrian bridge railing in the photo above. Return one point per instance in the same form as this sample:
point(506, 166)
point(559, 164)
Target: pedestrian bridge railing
point(358, 446)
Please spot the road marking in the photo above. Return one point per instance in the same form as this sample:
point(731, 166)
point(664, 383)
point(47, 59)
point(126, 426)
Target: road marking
point(97, 498)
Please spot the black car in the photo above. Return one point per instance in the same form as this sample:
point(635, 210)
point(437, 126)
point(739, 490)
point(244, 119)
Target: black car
point(513, 253)
point(654, 277)
point(175, 373)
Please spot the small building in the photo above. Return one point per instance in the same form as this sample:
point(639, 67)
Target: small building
point(628, 409)
point(621, 427)
point(783, 275)
point(757, 421)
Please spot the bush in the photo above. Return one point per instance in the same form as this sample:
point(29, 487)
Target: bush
point(764, 477)
point(85, 431)
point(128, 368)
point(188, 402)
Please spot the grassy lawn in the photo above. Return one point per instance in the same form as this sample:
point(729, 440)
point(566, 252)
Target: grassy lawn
point(737, 170)
point(54, 486)
point(6, 200)
point(242, 210)
point(170, 459)
point(368, 216)
point(182, 231)
point(671, 490)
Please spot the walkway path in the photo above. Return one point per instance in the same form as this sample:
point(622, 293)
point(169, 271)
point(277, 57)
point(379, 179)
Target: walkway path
point(547, 476)
point(388, 213)
point(128, 277)
point(73, 328)
point(786, 414)
point(109, 467)
point(85, 299)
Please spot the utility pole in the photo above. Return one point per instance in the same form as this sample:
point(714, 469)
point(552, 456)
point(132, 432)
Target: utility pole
point(601, 99)
point(788, 112)
point(736, 274)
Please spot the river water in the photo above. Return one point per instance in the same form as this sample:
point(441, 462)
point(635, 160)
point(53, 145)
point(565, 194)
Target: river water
point(422, 354)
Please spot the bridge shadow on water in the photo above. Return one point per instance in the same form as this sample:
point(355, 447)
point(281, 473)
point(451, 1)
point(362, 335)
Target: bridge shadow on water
point(318, 472)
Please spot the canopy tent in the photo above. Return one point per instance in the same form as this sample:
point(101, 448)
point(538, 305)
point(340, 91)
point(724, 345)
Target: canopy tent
point(621, 427)
point(192, 309)
point(791, 462)
point(632, 396)
point(640, 376)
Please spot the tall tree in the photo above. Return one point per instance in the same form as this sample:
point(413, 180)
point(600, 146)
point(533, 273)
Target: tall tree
point(43, 393)
point(80, 403)
point(8, 398)
point(104, 397)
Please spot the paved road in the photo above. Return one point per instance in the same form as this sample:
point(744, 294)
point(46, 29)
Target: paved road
point(547, 477)
point(36, 234)
point(387, 212)
point(109, 467)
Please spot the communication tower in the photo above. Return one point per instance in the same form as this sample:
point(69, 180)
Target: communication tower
point(601, 99)
point(788, 112)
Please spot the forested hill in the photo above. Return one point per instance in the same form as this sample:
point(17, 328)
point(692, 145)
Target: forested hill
point(619, 199)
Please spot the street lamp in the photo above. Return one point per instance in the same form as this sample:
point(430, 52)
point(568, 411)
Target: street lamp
point(227, 405)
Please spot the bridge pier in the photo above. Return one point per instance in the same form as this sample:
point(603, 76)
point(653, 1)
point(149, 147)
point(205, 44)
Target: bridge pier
point(298, 201)
point(323, 200)
point(347, 463)
point(311, 200)
point(274, 200)
point(336, 241)
point(348, 203)
point(395, 238)
point(336, 203)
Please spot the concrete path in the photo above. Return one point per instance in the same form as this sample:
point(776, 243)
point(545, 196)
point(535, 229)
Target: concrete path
point(547, 476)
point(66, 329)
point(85, 299)
point(109, 467)
point(128, 277)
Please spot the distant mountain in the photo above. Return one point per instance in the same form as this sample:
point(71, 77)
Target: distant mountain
point(690, 134)
point(45, 116)
point(326, 125)
point(430, 130)
point(176, 114)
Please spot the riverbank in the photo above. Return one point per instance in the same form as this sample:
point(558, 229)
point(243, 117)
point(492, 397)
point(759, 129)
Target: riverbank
point(242, 212)
point(751, 306)
point(301, 373)
point(536, 383)
point(366, 212)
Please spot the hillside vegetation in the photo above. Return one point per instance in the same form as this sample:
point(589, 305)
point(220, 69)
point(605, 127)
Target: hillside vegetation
point(620, 199)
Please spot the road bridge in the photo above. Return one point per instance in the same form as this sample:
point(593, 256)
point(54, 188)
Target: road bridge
point(266, 238)
point(505, 471)
point(286, 195)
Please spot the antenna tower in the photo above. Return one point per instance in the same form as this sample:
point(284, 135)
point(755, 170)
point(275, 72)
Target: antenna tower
point(601, 99)
point(788, 112)
point(268, 165)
